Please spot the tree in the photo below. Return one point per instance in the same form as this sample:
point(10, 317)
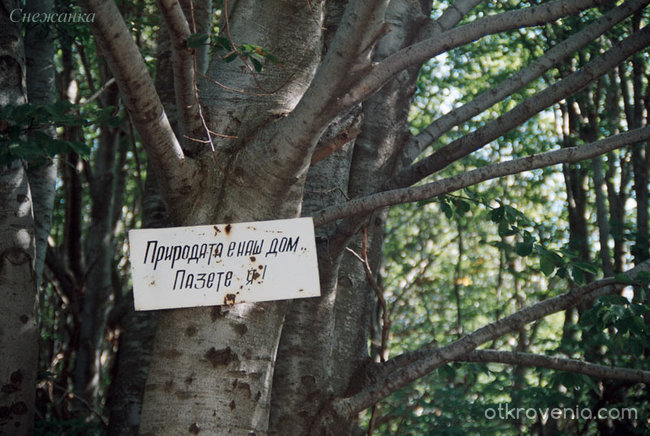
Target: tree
point(302, 108)
point(27, 193)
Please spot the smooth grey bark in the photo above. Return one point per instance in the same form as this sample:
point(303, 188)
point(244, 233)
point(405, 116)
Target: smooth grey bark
point(602, 218)
point(301, 377)
point(196, 374)
point(138, 329)
point(18, 327)
point(39, 60)
point(18, 299)
point(560, 363)
point(318, 356)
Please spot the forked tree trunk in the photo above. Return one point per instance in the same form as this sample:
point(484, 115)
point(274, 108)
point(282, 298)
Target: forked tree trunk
point(210, 360)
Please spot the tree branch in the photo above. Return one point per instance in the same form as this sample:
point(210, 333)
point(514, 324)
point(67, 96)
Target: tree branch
point(429, 48)
point(183, 65)
point(522, 112)
point(559, 363)
point(142, 101)
point(551, 58)
point(463, 180)
point(406, 368)
point(346, 60)
point(449, 18)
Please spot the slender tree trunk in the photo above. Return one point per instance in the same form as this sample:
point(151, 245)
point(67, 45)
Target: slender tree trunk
point(18, 328)
point(18, 300)
point(39, 59)
point(99, 256)
point(138, 329)
point(136, 341)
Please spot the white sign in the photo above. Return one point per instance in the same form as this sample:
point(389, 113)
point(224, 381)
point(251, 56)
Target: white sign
point(223, 264)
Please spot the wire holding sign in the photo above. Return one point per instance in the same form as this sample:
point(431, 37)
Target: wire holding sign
point(223, 264)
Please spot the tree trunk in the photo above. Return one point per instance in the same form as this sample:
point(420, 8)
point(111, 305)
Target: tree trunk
point(195, 374)
point(39, 60)
point(138, 330)
point(18, 300)
point(99, 257)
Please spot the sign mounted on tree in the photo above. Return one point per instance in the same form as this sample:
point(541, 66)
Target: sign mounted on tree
point(223, 264)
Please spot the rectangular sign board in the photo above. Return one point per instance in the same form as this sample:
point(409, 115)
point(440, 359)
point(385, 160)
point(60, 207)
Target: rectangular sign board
point(223, 264)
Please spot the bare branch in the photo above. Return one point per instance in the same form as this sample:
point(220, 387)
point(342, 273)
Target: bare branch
point(523, 111)
point(141, 99)
point(559, 363)
point(463, 180)
point(406, 368)
point(183, 65)
point(336, 143)
point(424, 50)
point(347, 59)
point(551, 58)
point(452, 16)
point(199, 15)
point(99, 92)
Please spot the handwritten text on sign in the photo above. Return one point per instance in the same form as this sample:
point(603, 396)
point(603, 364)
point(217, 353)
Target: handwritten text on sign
point(223, 264)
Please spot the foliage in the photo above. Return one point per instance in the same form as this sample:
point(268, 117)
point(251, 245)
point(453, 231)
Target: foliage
point(515, 251)
point(23, 136)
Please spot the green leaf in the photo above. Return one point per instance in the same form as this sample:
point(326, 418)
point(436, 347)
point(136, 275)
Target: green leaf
point(643, 277)
point(511, 214)
point(505, 229)
point(462, 207)
point(7, 111)
point(196, 40)
point(446, 209)
point(614, 299)
point(592, 384)
point(231, 57)
point(578, 275)
point(635, 348)
point(58, 108)
point(21, 113)
point(585, 267)
point(80, 148)
point(223, 43)
point(273, 58)
point(29, 151)
point(624, 278)
point(114, 122)
point(256, 64)
point(546, 265)
point(524, 248)
point(639, 309)
point(496, 215)
point(56, 146)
